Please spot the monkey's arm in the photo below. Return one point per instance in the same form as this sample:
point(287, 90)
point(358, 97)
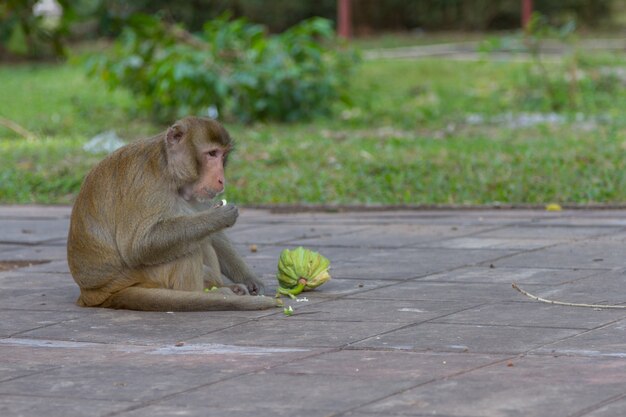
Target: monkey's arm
point(168, 239)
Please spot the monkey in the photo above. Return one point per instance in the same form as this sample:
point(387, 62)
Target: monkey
point(145, 235)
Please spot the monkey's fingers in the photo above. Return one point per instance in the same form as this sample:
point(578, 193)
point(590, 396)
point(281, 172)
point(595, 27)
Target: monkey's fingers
point(239, 289)
point(256, 288)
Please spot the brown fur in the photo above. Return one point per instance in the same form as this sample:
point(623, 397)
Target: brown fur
point(141, 236)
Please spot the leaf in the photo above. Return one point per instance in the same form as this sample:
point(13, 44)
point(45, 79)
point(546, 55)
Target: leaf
point(246, 73)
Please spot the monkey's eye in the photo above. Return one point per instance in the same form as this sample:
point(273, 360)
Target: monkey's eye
point(212, 153)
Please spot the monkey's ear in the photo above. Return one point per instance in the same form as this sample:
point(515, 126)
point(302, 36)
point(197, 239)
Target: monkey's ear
point(174, 134)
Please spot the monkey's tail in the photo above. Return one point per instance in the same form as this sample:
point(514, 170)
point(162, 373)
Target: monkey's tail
point(161, 299)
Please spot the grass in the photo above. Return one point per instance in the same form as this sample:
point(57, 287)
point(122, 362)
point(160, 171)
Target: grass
point(418, 132)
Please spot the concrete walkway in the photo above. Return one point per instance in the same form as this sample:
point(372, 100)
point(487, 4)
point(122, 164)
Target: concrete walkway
point(469, 51)
point(419, 319)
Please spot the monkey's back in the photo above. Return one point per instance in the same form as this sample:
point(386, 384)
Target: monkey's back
point(110, 203)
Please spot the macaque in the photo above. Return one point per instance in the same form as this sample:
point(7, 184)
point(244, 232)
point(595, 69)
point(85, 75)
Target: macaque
point(146, 235)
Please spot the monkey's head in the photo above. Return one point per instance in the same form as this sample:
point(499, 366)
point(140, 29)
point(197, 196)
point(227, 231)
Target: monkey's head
point(197, 151)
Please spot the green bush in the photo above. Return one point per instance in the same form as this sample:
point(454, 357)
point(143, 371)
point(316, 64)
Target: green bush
point(233, 67)
point(569, 84)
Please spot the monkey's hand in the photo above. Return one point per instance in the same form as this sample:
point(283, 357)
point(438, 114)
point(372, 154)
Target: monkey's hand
point(224, 216)
point(255, 287)
point(239, 289)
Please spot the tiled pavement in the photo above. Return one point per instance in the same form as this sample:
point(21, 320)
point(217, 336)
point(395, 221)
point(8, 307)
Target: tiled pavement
point(419, 319)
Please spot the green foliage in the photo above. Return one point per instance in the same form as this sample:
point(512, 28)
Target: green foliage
point(557, 90)
point(232, 67)
point(42, 170)
point(419, 132)
point(567, 85)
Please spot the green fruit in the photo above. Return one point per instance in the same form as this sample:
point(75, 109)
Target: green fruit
point(301, 270)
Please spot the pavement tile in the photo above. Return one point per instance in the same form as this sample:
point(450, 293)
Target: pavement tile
point(54, 267)
point(285, 233)
point(479, 242)
point(612, 409)
point(546, 231)
point(266, 256)
point(441, 257)
point(341, 380)
point(616, 237)
point(38, 291)
point(334, 288)
point(10, 371)
point(533, 313)
point(362, 413)
point(263, 393)
point(14, 322)
point(20, 351)
point(445, 217)
point(26, 405)
point(607, 341)
point(424, 290)
point(492, 243)
point(19, 279)
point(413, 367)
point(528, 387)
point(419, 319)
point(590, 221)
point(21, 362)
point(122, 380)
point(34, 212)
point(101, 371)
point(391, 236)
point(358, 217)
point(377, 310)
point(525, 275)
point(137, 327)
point(38, 252)
point(286, 332)
point(608, 213)
point(8, 246)
point(592, 253)
point(339, 287)
point(443, 337)
point(48, 299)
point(201, 409)
point(411, 263)
point(32, 231)
point(230, 359)
point(603, 288)
point(364, 270)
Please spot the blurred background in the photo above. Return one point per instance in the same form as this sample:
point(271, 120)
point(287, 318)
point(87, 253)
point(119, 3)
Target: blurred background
point(332, 102)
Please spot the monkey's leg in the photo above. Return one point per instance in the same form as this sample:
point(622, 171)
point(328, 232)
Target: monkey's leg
point(211, 280)
point(233, 265)
point(159, 299)
point(212, 274)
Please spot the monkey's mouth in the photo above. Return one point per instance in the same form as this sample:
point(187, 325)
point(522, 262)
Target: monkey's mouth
point(206, 196)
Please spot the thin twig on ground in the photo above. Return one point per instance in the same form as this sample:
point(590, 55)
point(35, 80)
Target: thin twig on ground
point(561, 303)
point(22, 131)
